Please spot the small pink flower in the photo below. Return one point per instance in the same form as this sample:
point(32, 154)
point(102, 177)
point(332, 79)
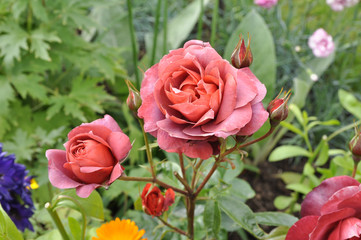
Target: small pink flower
point(339, 5)
point(321, 43)
point(265, 3)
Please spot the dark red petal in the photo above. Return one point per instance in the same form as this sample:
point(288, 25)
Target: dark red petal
point(302, 228)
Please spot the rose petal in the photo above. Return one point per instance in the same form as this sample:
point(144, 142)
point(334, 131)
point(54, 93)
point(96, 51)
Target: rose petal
point(246, 88)
point(119, 144)
point(344, 194)
point(93, 169)
point(196, 42)
point(58, 175)
point(191, 111)
point(97, 130)
point(151, 114)
point(204, 55)
point(261, 88)
point(168, 143)
point(176, 130)
point(346, 229)
point(169, 199)
point(259, 117)
point(329, 221)
point(238, 119)
point(314, 200)
point(228, 103)
point(353, 202)
point(116, 173)
point(302, 228)
point(108, 122)
point(84, 191)
point(198, 149)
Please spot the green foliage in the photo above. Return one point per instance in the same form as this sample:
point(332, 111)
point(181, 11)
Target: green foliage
point(8, 230)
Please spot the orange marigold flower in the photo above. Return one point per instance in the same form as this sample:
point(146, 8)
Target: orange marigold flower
point(119, 230)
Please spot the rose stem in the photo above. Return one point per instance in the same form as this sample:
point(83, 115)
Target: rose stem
point(57, 221)
point(172, 227)
point(354, 169)
point(183, 181)
point(154, 180)
point(270, 131)
point(195, 170)
point(191, 204)
point(213, 169)
point(181, 162)
point(134, 44)
point(148, 150)
point(200, 21)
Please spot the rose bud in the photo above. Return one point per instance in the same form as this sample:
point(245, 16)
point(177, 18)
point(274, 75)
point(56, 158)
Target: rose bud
point(278, 109)
point(92, 157)
point(133, 101)
point(242, 56)
point(154, 203)
point(355, 145)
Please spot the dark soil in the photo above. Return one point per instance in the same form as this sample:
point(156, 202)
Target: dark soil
point(267, 186)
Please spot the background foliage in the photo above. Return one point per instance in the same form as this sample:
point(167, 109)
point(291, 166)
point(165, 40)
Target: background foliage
point(64, 62)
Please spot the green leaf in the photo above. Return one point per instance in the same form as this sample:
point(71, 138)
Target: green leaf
point(29, 85)
point(278, 233)
point(308, 169)
point(345, 162)
point(18, 8)
point(39, 10)
point(178, 29)
point(323, 154)
point(39, 43)
point(263, 49)
point(297, 112)
point(8, 230)
point(282, 202)
point(242, 189)
point(240, 213)
point(299, 187)
point(6, 95)
point(12, 41)
point(22, 145)
point(287, 151)
point(212, 216)
point(75, 228)
point(138, 204)
point(275, 219)
point(350, 103)
point(291, 127)
point(92, 205)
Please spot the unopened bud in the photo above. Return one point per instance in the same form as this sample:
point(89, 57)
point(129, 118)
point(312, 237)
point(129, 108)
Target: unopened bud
point(242, 55)
point(278, 109)
point(134, 100)
point(355, 145)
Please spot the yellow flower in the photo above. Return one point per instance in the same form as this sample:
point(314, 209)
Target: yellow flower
point(119, 230)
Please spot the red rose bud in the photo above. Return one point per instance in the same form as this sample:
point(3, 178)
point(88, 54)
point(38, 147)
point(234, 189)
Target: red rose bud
point(278, 109)
point(133, 101)
point(153, 201)
point(355, 145)
point(242, 56)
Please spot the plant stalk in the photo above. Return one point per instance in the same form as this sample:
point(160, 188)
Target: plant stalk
point(54, 215)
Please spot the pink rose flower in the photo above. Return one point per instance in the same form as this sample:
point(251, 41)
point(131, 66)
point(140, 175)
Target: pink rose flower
point(339, 5)
point(265, 3)
point(92, 157)
point(321, 43)
point(193, 96)
point(330, 211)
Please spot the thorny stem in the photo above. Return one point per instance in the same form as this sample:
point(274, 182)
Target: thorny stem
point(183, 181)
point(181, 162)
point(153, 180)
point(205, 180)
point(195, 170)
point(172, 227)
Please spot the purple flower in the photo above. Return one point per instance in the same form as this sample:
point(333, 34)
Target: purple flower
point(321, 43)
point(265, 3)
point(15, 195)
point(339, 5)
